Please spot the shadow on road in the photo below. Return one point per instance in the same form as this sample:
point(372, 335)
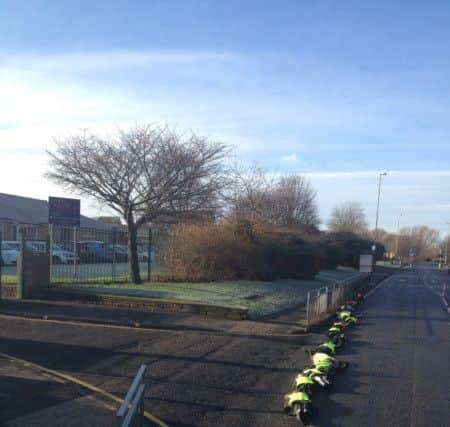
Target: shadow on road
point(21, 396)
point(75, 357)
point(345, 383)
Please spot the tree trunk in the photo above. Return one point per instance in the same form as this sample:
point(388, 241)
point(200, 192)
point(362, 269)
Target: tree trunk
point(133, 261)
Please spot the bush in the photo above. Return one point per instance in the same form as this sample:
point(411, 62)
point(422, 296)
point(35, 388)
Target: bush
point(212, 251)
point(220, 251)
point(225, 251)
point(345, 248)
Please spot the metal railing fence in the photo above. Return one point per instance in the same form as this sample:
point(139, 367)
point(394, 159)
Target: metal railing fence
point(131, 411)
point(324, 301)
point(86, 255)
point(90, 255)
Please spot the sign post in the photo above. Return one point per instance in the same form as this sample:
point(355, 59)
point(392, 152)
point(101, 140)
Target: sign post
point(366, 263)
point(66, 213)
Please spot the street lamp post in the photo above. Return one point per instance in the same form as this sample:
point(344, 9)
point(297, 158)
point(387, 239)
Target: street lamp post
point(397, 237)
point(378, 205)
point(446, 246)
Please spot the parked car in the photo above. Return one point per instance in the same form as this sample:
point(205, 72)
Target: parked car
point(61, 256)
point(94, 252)
point(13, 244)
point(142, 254)
point(32, 246)
point(9, 254)
point(120, 252)
point(37, 246)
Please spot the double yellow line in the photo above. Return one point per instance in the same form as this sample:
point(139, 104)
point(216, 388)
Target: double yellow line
point(81, 383)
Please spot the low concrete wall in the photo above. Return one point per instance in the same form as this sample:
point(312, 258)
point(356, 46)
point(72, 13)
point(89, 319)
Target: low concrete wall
point(144, 304)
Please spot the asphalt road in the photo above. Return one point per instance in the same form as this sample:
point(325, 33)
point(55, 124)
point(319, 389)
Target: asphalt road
point(47, 398)
point(196, 378)
point(398, 374)
point(399, 371)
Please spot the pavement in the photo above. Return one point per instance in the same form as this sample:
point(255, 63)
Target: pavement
point(222, 374)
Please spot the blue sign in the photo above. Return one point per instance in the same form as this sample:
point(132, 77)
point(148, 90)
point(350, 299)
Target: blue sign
point(63, 211)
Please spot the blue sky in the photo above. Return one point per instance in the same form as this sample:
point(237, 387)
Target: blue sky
point(337, 90)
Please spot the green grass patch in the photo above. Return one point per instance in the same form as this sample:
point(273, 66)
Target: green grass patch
point(9, 279)
point(259, 297)
point(99, 280)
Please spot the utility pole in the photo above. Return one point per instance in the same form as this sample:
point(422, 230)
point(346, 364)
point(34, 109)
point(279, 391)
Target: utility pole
point(397, 237)
point(446, 246)
point(378, 206)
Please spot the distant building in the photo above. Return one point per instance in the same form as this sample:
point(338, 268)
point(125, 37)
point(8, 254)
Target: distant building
point(111, 220)
point(31, 215)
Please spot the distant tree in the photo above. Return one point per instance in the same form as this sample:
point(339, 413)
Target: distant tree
point(288, 201)
point(444, 248)
point(293, 202)
point(143, 174)
point(348, 217)
point(249, 194)
point(420, 240)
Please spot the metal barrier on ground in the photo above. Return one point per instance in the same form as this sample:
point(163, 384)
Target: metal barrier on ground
point(322, 302)
point(131, 412)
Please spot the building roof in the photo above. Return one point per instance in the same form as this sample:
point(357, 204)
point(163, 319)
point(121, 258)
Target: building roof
point(26, 210)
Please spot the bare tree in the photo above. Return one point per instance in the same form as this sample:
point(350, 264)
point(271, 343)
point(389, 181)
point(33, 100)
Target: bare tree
point(292, 202)
point(419, 240)
point(348, 217)
point(387, 239)
point(143, 174)
point(288, 201)
point(249, 194)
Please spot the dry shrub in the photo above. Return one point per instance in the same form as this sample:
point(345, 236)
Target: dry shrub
point(209, 251)
point(227, 250)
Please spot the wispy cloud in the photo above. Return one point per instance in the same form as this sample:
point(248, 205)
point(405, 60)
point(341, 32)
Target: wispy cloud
point(290, 158)
point(374, 174)
point(435, 207)
point(269, 115)
point(101, 60)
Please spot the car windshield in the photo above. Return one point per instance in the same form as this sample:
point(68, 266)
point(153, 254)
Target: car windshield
point(11, 246)
point(37, 246)
point(7, 247)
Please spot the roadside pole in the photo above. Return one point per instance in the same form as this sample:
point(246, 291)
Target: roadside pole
point(51, 251)
point(113, 266)
point(1, 262)
point(74, 253)
point(21, 274)
point(149, 259)
point(446, 246)
point(308, 296)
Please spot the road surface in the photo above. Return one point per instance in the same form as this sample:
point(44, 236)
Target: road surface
point(400, 360)
point(399, 372)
